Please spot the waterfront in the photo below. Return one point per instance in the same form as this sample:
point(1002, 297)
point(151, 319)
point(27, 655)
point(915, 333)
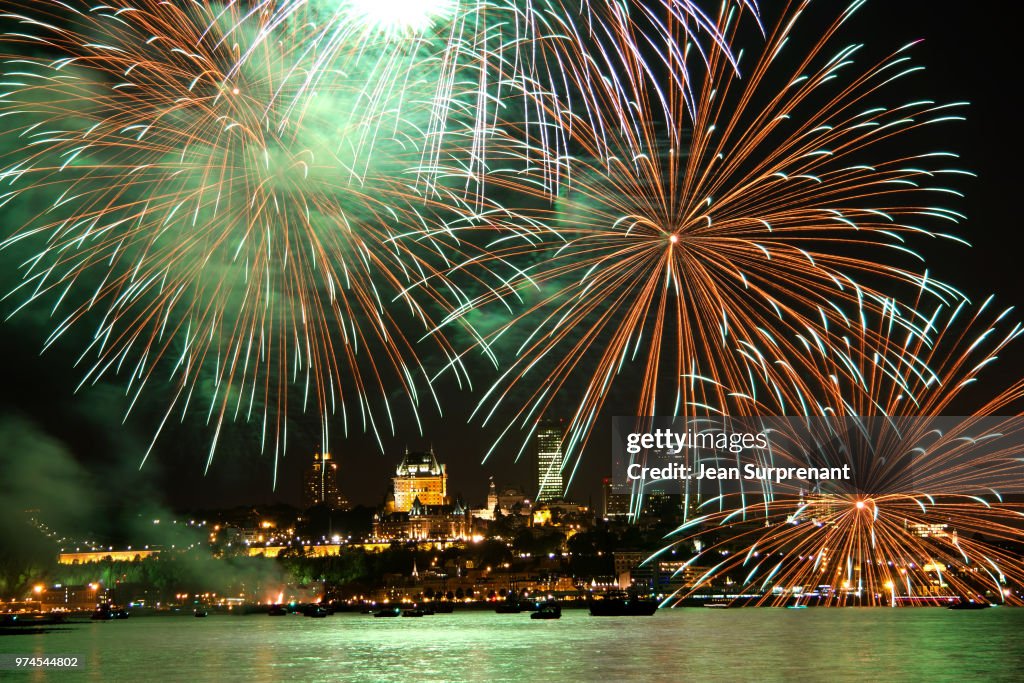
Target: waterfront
point(684, 644)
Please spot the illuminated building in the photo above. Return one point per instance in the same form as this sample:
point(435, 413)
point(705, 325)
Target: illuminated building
point(632, 570)
point(487, 512)
point(419, 476)
point(320, 486)
point(627, 560)
point(933, 530)
point(505, 501)
point(128, 555)
point(318, 550)
point(542, 516)
point(425, 523)
point(418, 508)
point(613, 504)
point(60, 597)
point(820, 507)
point(492, 498)
point(548, 461)
point(512, 499)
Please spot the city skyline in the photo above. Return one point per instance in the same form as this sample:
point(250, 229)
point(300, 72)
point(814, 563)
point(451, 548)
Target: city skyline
point(527, 322)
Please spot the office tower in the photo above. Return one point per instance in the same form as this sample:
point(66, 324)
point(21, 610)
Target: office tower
point(320, 485)
point(613, 504)
point(548, 460)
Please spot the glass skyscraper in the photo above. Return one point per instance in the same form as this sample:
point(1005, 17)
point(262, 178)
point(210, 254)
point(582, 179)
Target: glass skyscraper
point(320, 485)
point(548, 460)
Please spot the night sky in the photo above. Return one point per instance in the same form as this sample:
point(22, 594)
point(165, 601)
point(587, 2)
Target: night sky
point(970, 54)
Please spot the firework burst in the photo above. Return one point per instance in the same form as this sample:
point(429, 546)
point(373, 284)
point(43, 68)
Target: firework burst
point(935, 511)
point(504, 61)
point(703, 255)
point(212, 236)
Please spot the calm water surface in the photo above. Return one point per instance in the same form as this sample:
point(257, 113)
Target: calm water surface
point(674, 645)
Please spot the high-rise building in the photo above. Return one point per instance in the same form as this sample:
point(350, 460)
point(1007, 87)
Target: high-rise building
point(548, 460)
point(320, 485)
point(419, 475)
point(613, 504)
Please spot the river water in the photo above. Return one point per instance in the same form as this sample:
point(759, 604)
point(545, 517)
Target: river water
point(674, 645)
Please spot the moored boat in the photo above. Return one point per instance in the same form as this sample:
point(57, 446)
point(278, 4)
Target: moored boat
point(620, 604)
point(548, 610)
point(31, 619)
point(511, 605)
point(969, 603)
point(107, 612)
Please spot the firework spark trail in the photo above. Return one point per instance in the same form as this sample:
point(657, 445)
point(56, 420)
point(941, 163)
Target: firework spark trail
point(529, 62)
point(234, 248)
point(706, 259)
point(927, 521)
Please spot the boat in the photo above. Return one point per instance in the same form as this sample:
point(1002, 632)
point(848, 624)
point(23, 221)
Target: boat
point(277, 611)
point(29, 620)
point(443, 607)
point(107, 612)
point(314, 609)
point(32, 622)
point(718, 604)
point(796, 606)
point(620, 604)
point(510, 606)
point(969, 603)
point(548, 610)
point(507, 608)
point(200, 613)
point(388, 612)
point(413, 612)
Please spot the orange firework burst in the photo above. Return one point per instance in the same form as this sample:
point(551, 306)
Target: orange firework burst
point(701, 256)
point(936, 512)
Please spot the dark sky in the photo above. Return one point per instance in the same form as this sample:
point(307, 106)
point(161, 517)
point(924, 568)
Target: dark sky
point(971, 54)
